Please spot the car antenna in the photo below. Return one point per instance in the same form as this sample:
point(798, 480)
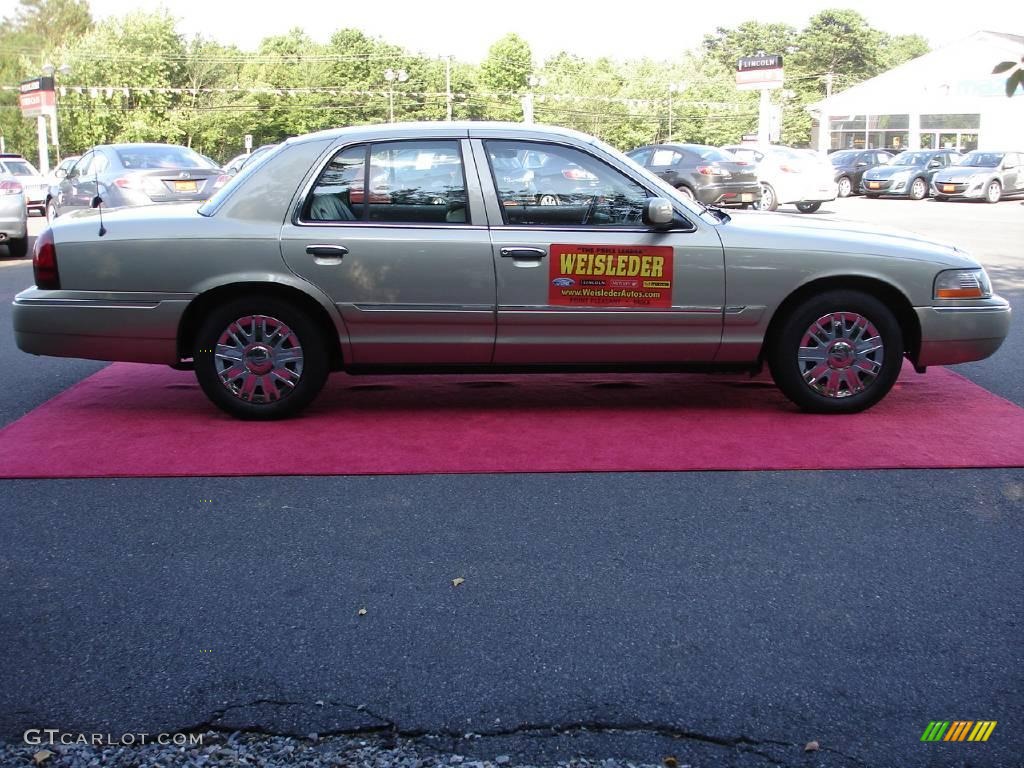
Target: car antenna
point(99, 201)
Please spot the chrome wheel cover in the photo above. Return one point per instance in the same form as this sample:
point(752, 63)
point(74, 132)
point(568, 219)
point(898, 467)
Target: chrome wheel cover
point(918, 189)
point(845, 187)
point(841, 354)
point(548, 200)
point(258, 359)
point(993, 192)
point(767, 198)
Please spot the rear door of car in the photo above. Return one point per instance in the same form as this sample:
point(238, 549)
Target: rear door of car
point(1012, 180)
point(590, 283)
point(394, 232)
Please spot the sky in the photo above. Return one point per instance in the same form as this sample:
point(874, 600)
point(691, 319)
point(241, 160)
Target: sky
point(592, 28)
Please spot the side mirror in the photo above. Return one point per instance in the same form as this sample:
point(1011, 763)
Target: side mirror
point(861, 164)
point(658, 212)
point(96, 201)
point(60, 173)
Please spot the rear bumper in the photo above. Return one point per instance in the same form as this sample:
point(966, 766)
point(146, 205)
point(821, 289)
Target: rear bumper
point(742, 193)
point(960, 334)
point(13, 226)
point(139, 328)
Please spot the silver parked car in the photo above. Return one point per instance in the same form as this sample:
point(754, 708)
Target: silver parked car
point(400, 248)
point(13, 216)
point(987, 176)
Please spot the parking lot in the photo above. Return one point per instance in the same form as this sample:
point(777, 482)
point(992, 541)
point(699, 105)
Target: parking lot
point(723, 618)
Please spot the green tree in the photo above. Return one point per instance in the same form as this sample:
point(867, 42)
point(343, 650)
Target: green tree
point(504, 74)
point(726, 46)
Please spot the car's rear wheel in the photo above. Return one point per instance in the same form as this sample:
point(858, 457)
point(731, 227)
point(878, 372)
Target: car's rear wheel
point(18, 247)
point(547, 199)
point(808, 207)
point(260, 357)
point(993, 192)
point(918, 190)
point(845, 187)
point(768, 200)
point(839, 352)
point(686, 192)
point(51, 211)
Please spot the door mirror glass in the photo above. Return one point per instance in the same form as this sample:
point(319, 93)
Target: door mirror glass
point(60, 173)
point(659, 212)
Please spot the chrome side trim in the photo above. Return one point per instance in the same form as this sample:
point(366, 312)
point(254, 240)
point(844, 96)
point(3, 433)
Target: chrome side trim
point(424, 307)
point(608, 310)
point(1001, 308)
point(91, 303)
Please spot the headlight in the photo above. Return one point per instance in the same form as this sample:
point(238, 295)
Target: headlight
point(962, 284)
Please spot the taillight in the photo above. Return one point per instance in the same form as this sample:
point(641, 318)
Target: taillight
point(44, 262)
point(578, 174)
point(710, 170)
point(221, 181)
point(789, 169)
point(10, 187)
point(128, 182)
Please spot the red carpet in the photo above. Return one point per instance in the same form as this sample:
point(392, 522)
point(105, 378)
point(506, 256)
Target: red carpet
point(137, 420)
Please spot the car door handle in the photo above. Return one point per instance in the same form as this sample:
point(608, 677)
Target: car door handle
point(328, 251)
point(523, 253)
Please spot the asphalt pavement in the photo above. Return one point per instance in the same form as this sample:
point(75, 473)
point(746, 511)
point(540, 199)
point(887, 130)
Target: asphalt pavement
point(725, 618)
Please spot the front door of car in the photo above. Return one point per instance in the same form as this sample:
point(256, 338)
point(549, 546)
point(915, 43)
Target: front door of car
point(1012, 176)
point(394, 233)
point(73, 188)
point(587, 282)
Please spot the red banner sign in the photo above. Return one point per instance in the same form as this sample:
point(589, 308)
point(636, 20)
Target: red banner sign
point(610, 276)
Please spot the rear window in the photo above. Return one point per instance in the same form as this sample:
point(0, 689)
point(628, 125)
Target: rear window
point(18, 168)
point(155, 157)
point(713, 155)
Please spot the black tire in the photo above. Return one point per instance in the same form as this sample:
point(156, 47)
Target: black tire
point(918, 191)
point(768, 193)
point(788, 371)
point(845, 186)
point(870, 197)
point(308, 335)
point(51, 211)
point(808, 207)
point(18, 247)
point(686, 192)
point(993, 191)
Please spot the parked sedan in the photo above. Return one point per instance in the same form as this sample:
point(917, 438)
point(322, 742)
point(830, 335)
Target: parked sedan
point(32, 182)
point(987, 176)
point(282, 278)
point(116, 175)
point(788, 175)
point(708, 174)
point(909, 174)
point(851, 164)
point(13, 216)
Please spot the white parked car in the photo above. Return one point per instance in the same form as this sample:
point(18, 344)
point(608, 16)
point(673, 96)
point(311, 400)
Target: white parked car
point(788, 175)
point(33, 182)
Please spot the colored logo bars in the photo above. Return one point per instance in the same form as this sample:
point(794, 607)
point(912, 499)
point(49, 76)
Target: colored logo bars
point(958, 730)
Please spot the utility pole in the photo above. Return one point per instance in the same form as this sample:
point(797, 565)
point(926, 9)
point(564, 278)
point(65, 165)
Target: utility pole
point(828, 85)
point(448, 84)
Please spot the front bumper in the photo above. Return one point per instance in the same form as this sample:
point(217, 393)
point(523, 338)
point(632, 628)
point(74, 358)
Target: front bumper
point(958, 189)
point(139, 328)
point(962, 333)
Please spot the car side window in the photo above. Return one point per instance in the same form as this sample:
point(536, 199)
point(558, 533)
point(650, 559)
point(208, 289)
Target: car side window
point(99, 163)
point(338, 194)
point(571, 188)
point(82, 166)
point(417, 182)
point(641, 156)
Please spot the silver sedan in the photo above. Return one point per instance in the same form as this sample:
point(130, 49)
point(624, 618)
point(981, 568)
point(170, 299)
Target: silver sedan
point(435, 246)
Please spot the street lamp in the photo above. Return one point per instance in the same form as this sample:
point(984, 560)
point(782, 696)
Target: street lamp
point(533, 81)
point(391, 76)
point(673, 88)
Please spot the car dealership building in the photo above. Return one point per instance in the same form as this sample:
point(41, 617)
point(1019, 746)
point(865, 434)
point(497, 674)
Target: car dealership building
point(948, 98)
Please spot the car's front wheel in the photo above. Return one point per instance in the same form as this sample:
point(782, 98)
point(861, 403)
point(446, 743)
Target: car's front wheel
point(260, 357)
point(845, 187)
point(548, 199)
point(993, 192)
point(51, 211)
point(839, 352)
point(918, 190)
point(769, 202)
point(18, 247)
point(808, 207)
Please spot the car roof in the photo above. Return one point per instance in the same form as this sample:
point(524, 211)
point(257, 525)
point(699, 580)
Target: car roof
point(461, 128)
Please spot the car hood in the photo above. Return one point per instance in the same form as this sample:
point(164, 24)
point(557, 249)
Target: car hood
point(963, 172)
point(803, 232)
point(888, 171)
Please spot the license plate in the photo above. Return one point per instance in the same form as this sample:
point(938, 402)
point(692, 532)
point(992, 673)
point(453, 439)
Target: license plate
point(746, 197)
point(873, 185)
point(185, 186)
point(948, 188)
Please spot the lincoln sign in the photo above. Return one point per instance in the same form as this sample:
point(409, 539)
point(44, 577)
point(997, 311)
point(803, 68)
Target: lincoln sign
point(759, 72)
point(36, 97)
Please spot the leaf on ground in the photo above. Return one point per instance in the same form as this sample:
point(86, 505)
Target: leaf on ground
point(457, 581)
point(670, 761)
point(42, 756)
point(362, 611)
point(811, 746)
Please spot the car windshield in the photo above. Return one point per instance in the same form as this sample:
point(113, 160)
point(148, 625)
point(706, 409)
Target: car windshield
point(911, 158)
point(838, 158)
point(981, 159)
point(18, 168)
point(713, 154)
point(251, 166)
point(143, 157)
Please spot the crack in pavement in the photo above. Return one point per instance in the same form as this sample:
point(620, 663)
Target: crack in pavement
point(388, 726)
